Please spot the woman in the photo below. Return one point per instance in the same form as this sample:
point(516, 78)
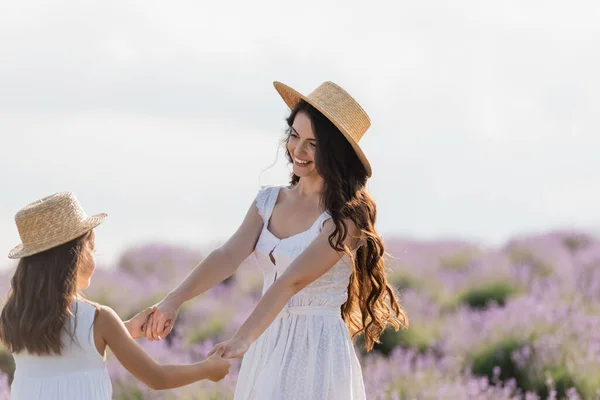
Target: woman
point(322, 259)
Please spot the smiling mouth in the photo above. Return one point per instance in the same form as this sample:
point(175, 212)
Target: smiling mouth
point(301, 163)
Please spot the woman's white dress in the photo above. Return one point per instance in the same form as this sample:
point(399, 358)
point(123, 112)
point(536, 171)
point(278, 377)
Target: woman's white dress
point(306, 353)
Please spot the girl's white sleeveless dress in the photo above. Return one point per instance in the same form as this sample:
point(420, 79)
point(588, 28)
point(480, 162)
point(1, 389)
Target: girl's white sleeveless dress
point(78, 373)
point(306, 353)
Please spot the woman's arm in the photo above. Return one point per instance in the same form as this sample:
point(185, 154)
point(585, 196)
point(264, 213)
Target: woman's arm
point(218, 266)
point(318, 258)
point(112, 330)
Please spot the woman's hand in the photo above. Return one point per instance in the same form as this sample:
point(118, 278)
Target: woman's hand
point(161, 322)
point(232, 348)
point(137, 325)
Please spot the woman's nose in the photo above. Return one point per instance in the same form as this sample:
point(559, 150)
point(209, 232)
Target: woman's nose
point(300, 148)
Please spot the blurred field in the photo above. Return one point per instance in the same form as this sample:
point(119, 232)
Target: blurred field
point(517, 322)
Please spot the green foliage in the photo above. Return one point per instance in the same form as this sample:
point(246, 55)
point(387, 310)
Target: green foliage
point(495, 355)
point(480, 297)
point(524, 256)
point(457, 262)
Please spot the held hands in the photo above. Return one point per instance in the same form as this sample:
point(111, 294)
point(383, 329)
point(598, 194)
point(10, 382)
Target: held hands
point(157, 322)
point(218, 367)
point(161, 322)
point(142, 324)
point(137, 325)
point(232, 348)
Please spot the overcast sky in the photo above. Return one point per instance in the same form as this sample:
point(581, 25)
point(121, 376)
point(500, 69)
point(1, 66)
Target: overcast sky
point(484, 114)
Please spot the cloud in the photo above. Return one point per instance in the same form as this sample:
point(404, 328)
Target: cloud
point(484, 113)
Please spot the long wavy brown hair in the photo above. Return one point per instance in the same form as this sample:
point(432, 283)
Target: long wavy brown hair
point(39, 301)
point(372, 303)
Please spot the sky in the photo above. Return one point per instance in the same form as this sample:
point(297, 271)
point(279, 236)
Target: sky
point(163, 115)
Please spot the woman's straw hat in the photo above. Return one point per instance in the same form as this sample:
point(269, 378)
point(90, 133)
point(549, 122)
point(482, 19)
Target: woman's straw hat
point(50, 222)
point(337, 106)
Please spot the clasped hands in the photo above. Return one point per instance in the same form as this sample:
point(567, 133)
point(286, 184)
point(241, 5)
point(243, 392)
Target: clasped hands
point(156, 323)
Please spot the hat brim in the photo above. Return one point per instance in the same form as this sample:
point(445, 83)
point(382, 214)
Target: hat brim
point(86, 225)
point(292, 97)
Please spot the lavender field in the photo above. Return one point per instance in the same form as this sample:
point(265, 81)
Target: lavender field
point(517, 322)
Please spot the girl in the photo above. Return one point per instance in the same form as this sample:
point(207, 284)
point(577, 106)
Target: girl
point(58, 339)
point(322, 259)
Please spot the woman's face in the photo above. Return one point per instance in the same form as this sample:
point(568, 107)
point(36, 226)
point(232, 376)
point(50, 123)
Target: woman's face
point(87, 266)
point(302, 146)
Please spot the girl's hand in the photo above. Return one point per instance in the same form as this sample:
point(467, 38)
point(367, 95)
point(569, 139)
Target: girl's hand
point(218, 367)
point(137, 325)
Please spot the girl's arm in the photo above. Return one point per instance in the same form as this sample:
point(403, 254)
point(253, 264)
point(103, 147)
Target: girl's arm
point(112, 330)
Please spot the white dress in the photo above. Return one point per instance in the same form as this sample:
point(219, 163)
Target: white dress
point(78, 373)
point(306, 353)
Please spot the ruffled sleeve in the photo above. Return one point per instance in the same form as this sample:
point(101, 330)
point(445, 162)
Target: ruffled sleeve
point(262, 198)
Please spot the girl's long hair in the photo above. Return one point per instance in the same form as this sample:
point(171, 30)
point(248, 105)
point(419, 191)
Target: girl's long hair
point(41, 296)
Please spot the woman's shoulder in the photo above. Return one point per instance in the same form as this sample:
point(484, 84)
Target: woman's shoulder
point(355, 238)
point(270, 188)
point(263, 196)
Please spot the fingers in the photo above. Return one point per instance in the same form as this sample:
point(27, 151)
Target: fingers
point(168, 328)
point(163, 328)
point(227, 368)
point(146, 313)
point(220, 351)
point(235, 350)
point(158, 326)
point(156, 323)
point(218, 347)
point(230, 354)
point(149, 327)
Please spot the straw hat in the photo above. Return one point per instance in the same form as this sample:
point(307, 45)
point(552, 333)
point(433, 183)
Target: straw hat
point(50, 222)
point(339, 107)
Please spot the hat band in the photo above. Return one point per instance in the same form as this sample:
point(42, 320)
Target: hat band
point(59, 235)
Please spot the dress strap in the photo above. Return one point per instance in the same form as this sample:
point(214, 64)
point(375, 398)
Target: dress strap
point(265, 201)
point(321, 220)
point(84, 328)
point(273, 195)
point(324, 217)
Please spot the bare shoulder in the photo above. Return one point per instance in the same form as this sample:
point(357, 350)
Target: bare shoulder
point(107, 313)
point(285, 189)
point(353, 235)
point(284, 193)
point(330, 226)
point(107, 319)
point(287, 192)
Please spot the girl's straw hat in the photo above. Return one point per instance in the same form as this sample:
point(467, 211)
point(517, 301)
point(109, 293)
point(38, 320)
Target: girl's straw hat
point(50, 222)
point(337, 106)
